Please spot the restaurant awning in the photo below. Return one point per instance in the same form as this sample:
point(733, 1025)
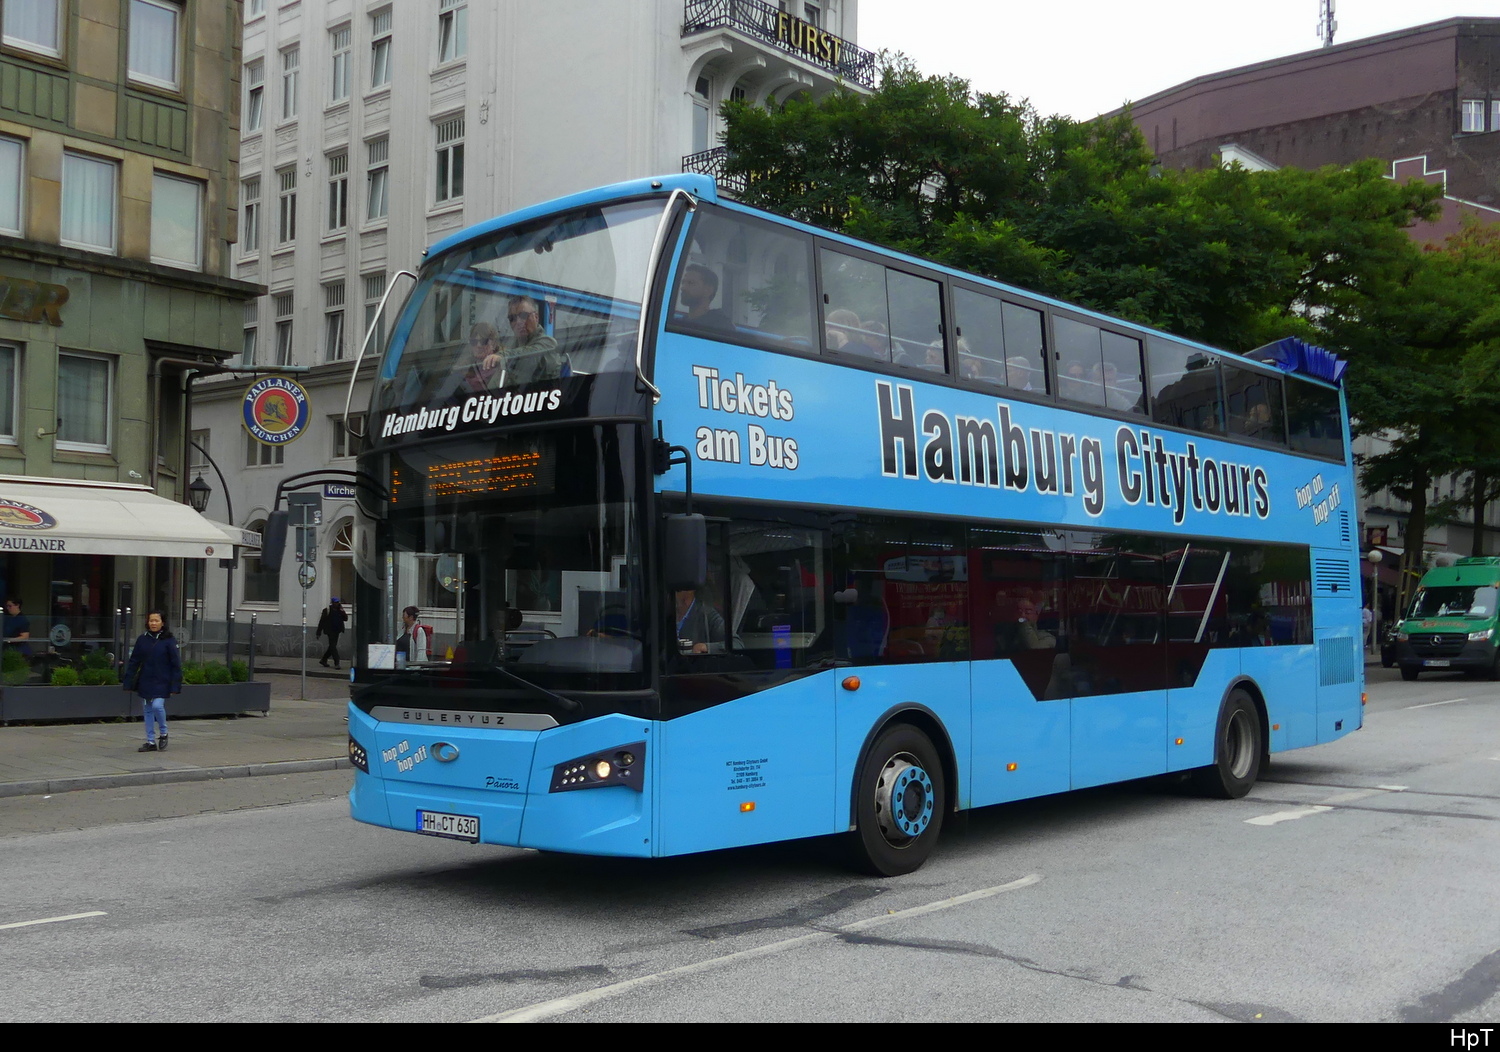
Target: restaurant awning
point(76, 517)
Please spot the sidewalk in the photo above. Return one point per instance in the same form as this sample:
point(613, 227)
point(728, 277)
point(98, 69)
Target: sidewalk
point(295, 736)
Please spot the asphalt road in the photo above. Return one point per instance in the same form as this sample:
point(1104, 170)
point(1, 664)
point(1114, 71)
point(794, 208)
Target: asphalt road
point(1355, 883)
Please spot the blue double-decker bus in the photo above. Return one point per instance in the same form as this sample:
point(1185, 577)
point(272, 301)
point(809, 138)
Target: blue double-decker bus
point(684, 526)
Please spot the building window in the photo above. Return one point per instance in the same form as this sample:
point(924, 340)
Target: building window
point(34, 25)
point(83, 402)
point(260, 455)
point(453, 29)
point(176, 222)
point(250, 207)
point(88, 202)
point(1473, 115)
point(12, 171)
point(377, 200)
point(9, 355)
point(247, 346)
point(380, 49)
point(700, 115)
point(261, 586)
point(254, 8)
point(338, 191)
point(450, 159)
point(333, 321)
point(291, 67)
point(374, 290)
point(338, 88)
point(1495, 114)
point(198, 451)
point(346, 441)
point(284, 310)
point(286, 207)
point(154, 42)
point(811, 15)
point(255, 95)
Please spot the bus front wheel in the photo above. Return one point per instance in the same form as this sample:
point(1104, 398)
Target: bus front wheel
point(901, 799)
point(1239, 747)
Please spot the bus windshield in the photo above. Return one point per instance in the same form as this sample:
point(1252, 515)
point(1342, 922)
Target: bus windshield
point(520, 555)
point(539, 302)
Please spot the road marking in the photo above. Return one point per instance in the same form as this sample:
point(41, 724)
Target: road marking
point(1286, 816)
point(1430, 704)
point(1393, 788)
point(562, 1005)
point(54, 920)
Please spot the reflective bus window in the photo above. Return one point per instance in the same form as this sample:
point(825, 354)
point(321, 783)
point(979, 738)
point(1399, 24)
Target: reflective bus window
point(901, 592)
point(1185, 388)
point(1115, 600)
point(1313, 419)
point(1017, 595)
point(916, 310)
point(744, 282)
point(1077, 347)
point(856, 316)
point(999, 342)
point(1120, 373)
point(1253, 403)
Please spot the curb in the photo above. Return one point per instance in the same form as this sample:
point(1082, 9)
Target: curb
point(191, 774)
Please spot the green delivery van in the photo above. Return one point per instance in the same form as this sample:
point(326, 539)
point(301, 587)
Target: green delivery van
point(1452, 623)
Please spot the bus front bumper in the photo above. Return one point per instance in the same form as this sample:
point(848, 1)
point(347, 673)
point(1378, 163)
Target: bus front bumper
point(513, 788)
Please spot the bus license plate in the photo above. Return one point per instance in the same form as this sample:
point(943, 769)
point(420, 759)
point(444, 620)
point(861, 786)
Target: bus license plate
point(454, 827)
point(1436, 663)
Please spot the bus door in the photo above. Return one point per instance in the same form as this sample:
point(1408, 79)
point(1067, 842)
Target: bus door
point(749, 682)
point(1202, 655)
point(1116, 668)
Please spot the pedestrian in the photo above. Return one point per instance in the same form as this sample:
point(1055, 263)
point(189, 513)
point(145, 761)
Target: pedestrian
point(331, 624)
point(1367, 617)
point(17, 626)
point(154, 672)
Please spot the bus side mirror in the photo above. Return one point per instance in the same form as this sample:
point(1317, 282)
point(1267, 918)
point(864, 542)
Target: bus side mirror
point(273, 541)
point(684, 551)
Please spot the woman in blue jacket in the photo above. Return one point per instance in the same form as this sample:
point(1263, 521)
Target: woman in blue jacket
point(155, 671)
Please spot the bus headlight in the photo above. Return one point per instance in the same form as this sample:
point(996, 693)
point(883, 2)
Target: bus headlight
point(1475, 637)
point(1401, 637)
point(621, 765)
point(357, 756)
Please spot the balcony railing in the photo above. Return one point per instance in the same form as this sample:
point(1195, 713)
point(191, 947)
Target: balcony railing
point(792, 35)
point(712, 162)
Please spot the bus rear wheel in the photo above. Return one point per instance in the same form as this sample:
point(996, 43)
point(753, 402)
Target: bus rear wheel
point(1239, 747)
point(900, 802)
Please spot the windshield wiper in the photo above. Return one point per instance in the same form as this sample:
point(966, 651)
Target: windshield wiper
point(568, 704)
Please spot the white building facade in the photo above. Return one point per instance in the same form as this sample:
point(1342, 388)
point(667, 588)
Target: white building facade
point(371, 130)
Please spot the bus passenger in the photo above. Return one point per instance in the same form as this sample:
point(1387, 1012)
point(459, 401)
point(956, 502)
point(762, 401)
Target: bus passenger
point(1074, 384)
point(477, 371)
point(1032, 637)
point(416, 638)
point(533, 354)
point(699, 625)
point(696, 292)
point(1018, 373)
point(840, 329)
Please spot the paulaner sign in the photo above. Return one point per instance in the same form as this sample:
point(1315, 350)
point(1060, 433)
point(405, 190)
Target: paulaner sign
point(808, 39)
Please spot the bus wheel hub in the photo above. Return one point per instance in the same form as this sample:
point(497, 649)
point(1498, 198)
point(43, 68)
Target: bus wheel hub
point(903, 800)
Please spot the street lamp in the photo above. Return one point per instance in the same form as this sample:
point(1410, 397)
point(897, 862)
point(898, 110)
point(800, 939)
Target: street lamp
point(1373, 556)
point(198, 494)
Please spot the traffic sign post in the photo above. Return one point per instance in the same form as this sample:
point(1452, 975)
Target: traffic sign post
point(306, 515)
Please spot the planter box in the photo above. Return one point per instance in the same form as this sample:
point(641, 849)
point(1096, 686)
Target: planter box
point(219, 699)
point(65, 703)
point(97, 703)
